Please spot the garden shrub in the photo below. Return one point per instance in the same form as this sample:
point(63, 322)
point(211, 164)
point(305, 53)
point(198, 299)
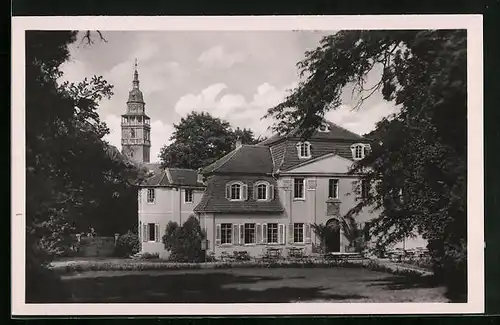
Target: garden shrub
point(149, 256)
point(184, 243)
point(450, 267)
point(127, 244)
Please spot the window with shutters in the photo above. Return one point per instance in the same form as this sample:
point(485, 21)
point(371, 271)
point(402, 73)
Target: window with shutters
point(249, 233)
point(298, 232)
point(236, 191)
point(359, 150)
point(188, 196)
point(304, 150)
point(151, 232)
point(151, 195)
point(333, 188)
point(298, 188)
point(226, 235)
point(272, 233)
point(263, 191)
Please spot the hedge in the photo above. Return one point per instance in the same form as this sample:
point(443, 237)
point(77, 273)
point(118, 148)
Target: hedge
point(306, 263)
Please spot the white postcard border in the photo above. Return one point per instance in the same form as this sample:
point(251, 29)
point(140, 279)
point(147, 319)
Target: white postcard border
point(475, 194)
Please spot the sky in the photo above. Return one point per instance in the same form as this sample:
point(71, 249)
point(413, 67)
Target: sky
point(235, 76)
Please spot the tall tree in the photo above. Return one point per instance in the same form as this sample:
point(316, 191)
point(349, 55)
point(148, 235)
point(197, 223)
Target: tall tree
point(199, 139)
point(419, 164)
point(70, 174)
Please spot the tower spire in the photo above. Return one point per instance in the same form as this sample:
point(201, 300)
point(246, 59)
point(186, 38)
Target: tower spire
point(135, 82)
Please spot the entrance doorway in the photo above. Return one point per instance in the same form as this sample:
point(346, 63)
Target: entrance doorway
point(332, 240)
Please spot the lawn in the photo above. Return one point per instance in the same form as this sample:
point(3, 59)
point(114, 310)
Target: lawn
point(280, 285)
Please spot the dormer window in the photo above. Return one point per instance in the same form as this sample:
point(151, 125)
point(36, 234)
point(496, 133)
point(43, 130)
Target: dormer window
point(263, 191)
point(359, 150)
point(304, 150)
point(324, 128)
point(236, 191)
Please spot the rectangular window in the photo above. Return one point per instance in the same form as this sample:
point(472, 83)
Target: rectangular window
point(333, 188)
point(261, 192)
point(358, 152)
point(151, 195)
point(226, 237)
point(188, 196)
point(151, 232)
point(298, 232)
point(272, 233)
point(298, 188)
point(365, 188)
point(235, 192)
point(249, 233)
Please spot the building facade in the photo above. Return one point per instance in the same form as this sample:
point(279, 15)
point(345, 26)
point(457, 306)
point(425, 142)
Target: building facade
point(166, 195)
point(135, 125)
point(268, 195)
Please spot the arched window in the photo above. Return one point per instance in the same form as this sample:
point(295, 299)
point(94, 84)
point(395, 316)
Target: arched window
point(263, 191)
point(236, 191)
point(304, 149)
point(132, 133)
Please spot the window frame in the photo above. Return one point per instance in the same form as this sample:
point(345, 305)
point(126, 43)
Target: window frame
point(303, 192)
point(247, 227)
point(153, 233)
point(298, 227)
point(268, 189)
point(270, 233)
point(362, 150)
point(241, 186)
point(307, 146)
point(186, 191)
point(224, 230)
point(153, 190)
point(330, 182)
point(259, 187)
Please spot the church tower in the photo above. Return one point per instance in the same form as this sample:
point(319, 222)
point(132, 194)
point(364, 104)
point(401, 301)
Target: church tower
point(136, 128)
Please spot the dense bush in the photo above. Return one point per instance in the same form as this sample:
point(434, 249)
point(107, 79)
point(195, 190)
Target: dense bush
point(450, 267)
point(127, 244)
point(150, 256)
point(184, 243)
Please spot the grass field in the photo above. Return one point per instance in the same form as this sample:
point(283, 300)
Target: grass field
point(278, 285)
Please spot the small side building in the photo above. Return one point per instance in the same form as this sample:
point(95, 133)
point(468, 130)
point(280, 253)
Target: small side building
point(168, 194)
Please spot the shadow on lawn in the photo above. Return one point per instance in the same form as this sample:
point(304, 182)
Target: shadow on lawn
point(404, 282)
point(189, 288)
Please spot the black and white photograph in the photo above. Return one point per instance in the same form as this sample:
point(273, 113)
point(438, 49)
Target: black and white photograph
point(250, 164)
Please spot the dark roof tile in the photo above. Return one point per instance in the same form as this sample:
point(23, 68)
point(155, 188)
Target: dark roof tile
point(247, 159)
point(214, 199)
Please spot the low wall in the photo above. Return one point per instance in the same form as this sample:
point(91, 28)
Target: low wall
point(96, 246)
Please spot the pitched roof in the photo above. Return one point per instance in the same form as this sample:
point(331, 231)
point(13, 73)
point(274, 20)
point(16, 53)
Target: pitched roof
point(246, 159)
point(172, 177)
point(214, 198)
point(336, 132)
point(286, 152)
point(181, 176)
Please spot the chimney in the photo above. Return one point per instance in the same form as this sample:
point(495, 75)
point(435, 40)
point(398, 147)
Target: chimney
point(200, 179)
point(238, 142)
